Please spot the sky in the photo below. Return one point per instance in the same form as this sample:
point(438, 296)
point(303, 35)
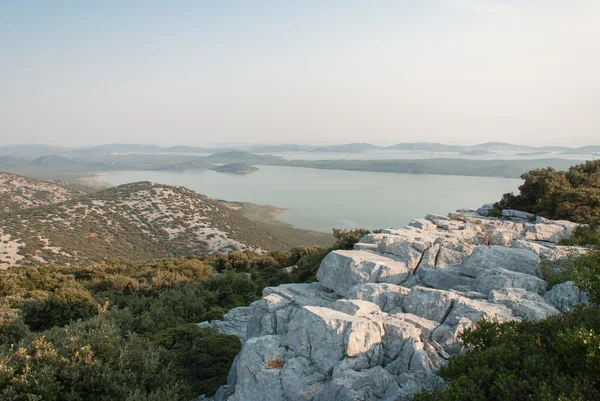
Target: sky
point(306, 71)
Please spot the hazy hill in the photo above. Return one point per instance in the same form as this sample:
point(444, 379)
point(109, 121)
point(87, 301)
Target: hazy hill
point(427, 147)
point(135, 221)
point(583, 150)
point(32, 151)
point(196, 164)
point(468, 167)
point(17, 192)
point(503, 147)
point(348, 148)
point(239, 156)
point(281, 148)
point(118, 148)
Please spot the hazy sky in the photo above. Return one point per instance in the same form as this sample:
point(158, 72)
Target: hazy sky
point(199, 72)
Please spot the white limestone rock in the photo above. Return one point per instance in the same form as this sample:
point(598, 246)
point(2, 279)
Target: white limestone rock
point(566, 296)
point(497, 279)
point(235, 322)
point(444, 279)
point(523, 303)
point(341, 270)
point(485, 210)
point(355, 307)
point(368, 384)
point(258, 370)
point(474, 310)
point(495, 257)
point(423, 224)
point(386, 296)
point(325, 336)
point(360, 335)
point(517, 213)
point(429, 303)
point(549, 232)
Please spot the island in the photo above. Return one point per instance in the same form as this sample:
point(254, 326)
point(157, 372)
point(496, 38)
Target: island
point(235, 168)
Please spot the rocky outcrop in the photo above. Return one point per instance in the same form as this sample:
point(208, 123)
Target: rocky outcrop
point(384, 317)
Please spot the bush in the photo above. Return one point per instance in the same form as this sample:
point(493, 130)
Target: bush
point(572, 195)
point(347, 238)
point(59, 308)
point(206, 354)
point(88, 361)
point(554, 359)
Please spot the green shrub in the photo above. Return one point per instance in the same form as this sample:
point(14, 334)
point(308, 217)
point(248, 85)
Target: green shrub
point(59, 308)
point(88, 361)
point(554, 359)
point(573, 195)
point(347, 238)
point(206, 354)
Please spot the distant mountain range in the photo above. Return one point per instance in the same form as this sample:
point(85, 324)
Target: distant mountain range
point(34, 151)
point(133, 221)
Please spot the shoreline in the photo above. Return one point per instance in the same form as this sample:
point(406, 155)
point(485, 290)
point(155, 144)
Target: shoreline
point(267, 214)
point(94, 181)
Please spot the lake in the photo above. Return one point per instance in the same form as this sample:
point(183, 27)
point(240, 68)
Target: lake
point(323, 199)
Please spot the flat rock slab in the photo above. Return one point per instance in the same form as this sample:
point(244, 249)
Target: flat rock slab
point(494, 257)
point(341, 270)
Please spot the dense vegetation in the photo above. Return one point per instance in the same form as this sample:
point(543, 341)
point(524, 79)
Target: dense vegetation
point(571, 195)
point(125, 330)
point(556, 358)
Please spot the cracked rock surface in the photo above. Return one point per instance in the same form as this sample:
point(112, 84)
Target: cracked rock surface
point(384, 317)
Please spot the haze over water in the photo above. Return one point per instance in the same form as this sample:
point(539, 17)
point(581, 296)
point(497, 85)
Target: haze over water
point(323, 199)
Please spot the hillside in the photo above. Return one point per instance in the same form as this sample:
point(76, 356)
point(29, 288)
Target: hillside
point(17, 192)
point(137, 221)
point(481, 168)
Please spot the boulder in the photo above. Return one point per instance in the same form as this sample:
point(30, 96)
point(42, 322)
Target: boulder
point(355, 307)
point(258, 370)
point(523, 303)
point(341, 270)
point(518, 214)
point(497, 279)
point(325, 336)
point(565, 296)
point(447, 256)
point(434, 217)
point(235, 322)
point(444, 279)
point(429, 303)
point(368, 384)
point(386, 296)
point(363, 246)
point(549, 232)
point(301, 381)
point(494, 257)
point(429, 256)
point(423, 224)
point(473, 310)
point(485, 210)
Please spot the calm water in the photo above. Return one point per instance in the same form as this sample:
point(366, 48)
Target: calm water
point(322, 199)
